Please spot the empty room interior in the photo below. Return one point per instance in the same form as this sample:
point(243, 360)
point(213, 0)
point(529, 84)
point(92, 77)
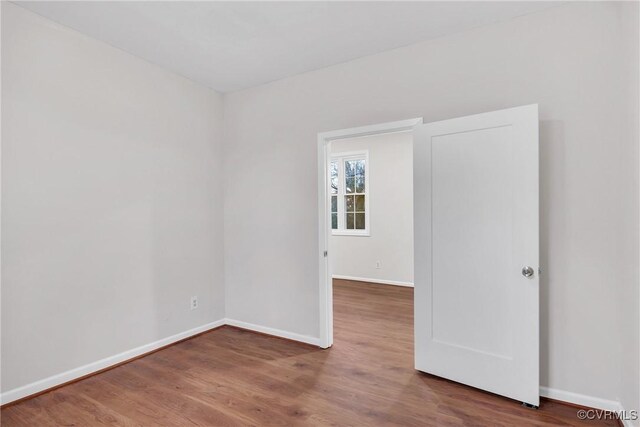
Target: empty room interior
point(223, 213)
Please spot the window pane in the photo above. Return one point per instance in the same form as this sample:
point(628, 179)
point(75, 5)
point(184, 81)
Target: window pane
point(334, 203)
point(359, 183)
point(360, 221)
point(350, 185)
point(348, 203)
point(350, 225)
point(334, 177)
point(350, 168)
point(359, 203)
point(360, 167)
point(334, 221)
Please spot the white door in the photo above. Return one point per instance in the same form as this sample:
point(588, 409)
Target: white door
point(476, 251)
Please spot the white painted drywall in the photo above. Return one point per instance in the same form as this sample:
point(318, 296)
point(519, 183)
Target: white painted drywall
point(111, 200)
point(629, 313)
point(390, 212)
point(568, 59)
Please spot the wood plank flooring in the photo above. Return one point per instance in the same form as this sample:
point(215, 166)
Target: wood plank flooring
point(232, 377)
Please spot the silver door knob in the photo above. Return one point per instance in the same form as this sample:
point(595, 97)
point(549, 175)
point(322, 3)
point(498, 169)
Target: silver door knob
point(527, 271)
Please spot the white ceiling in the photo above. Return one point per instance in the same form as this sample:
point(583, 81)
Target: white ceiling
point(235, 45)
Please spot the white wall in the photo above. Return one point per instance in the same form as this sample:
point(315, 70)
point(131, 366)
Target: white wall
point(390, 212)
point(630, 291)
point(570, 60)
point(111, 200)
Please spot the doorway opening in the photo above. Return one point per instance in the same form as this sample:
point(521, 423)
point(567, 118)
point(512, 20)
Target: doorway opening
point(365, 222)
point(475, 227)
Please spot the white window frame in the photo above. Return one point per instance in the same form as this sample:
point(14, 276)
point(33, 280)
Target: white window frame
point(341, 158)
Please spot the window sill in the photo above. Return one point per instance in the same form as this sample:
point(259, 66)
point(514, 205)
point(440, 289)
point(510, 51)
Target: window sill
point(359, 233)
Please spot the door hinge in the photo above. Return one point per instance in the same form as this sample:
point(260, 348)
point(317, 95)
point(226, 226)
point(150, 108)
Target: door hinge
point(326, 253)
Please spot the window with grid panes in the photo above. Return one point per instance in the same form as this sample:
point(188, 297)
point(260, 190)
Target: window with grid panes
point(349, 193)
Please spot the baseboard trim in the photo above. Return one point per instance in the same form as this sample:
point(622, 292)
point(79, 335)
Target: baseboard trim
point(584, 401)
point(580, 399)
point(275, 332)
point(380, 281)
point(55, 381)
point(42, 386)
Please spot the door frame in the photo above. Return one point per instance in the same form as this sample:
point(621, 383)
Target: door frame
point(324, 229)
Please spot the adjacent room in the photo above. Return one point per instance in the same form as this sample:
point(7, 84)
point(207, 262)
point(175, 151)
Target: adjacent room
point(371, 243)
point(323, 213)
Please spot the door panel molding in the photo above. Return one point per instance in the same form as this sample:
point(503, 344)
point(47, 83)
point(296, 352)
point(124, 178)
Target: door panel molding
point(475, 227)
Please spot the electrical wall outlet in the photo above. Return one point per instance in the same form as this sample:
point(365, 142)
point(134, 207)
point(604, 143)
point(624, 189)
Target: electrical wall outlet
point(377, 264)
point(194, 303)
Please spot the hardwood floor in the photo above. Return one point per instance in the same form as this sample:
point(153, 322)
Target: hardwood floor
point(231, 377)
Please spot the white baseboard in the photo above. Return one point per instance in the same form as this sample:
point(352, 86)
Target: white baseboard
point(584, 400)
point(580, 399)
point(276, 332)
point(380, 281)
point(64, 377)
point(55, 380)
point(587, 401)
point(90, 368)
